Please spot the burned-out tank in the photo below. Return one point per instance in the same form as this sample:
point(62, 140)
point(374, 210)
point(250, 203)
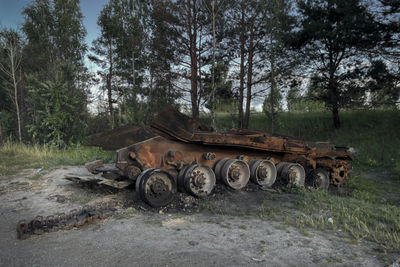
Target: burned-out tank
point(177, 153)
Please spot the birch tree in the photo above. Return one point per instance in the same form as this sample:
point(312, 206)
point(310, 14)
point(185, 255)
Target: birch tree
point(10, 42)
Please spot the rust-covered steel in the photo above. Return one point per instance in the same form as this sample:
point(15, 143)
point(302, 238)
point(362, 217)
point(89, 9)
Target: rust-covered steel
point(179, 153)
point(121, 137)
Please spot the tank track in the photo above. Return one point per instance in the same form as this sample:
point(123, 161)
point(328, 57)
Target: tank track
point(62, 221)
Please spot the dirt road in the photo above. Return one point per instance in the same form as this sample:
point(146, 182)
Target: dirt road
point(174, 237)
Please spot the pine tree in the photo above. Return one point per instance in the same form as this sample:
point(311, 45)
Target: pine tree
point(333, 34)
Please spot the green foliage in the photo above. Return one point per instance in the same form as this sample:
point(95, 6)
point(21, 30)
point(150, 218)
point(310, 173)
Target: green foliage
point(7, 126)
point(276, 106)
point(56, 79)
point(14, 157)
point(383, 86)
point(58, 120)
point(223, 88)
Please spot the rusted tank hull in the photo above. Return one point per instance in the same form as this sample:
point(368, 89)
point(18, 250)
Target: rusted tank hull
point(121, 137)
point(171, 155)
point(178, 153)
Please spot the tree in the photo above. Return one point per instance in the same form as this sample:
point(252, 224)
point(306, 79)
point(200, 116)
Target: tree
point(279, 24)
point(186, 20)
point(273, 105)
point(246, 46)
point(293, 96)
point(105, 56)
point(161, 59)
point(56, 120)
point(382, 85)
point(11, 46)
point(333, 35)
point(38, 28)
point(54, 53)
point(223, 94)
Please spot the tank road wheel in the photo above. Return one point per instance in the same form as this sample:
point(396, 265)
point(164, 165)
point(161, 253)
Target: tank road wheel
point(235, 173)
point(340, 174)
point(263, 172)
point(291, 173)
point(218, 167)
point(155, 187)
point(199, 180)
point(180, 178)
point(318, 178)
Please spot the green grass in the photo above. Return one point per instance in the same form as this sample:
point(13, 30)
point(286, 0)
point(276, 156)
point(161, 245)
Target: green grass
point(14, 157)
point(375, 134)
point(361, 214)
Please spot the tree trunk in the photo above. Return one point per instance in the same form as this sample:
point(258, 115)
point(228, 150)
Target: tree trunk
point(332, 85)
point(335, 105)
point(192, 31)
point(213, 68)
point(12, 50)
point(272, 93)
point(249, 77)
point(241, 75)
point(109, 86)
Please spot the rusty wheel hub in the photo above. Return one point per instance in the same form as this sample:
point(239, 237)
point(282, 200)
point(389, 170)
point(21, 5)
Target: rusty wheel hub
point(199, 179)
point(158, 187)
point(234, 173)
point(262, 173)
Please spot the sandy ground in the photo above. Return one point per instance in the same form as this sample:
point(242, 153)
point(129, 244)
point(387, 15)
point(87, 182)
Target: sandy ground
point(180, 235)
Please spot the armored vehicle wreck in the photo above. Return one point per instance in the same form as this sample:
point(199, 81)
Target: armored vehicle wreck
point(177, 153)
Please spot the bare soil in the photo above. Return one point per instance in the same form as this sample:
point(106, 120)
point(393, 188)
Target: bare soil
point(185, 233)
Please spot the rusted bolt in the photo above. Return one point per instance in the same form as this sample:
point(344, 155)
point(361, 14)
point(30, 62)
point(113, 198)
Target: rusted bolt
point(199, 180)
point(234, 173)
point(209, 156)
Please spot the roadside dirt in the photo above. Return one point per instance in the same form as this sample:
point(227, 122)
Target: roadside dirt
point(186, 233)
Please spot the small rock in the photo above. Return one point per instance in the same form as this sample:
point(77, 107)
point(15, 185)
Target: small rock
point(193, 243)
point(60, 199)
point(330, 220)
point(143, 208)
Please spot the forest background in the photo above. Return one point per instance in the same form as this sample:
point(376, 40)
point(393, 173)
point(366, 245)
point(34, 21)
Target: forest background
point(321, 70)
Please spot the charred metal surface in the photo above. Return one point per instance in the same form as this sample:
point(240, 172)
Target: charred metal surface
point(121, 137)
point(62, 221)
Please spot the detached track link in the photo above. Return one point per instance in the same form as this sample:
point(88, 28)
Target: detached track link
point(61, 221)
